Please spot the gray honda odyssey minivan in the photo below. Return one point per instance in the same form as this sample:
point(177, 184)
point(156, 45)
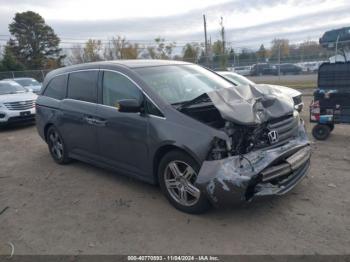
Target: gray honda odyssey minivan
point(176, 124)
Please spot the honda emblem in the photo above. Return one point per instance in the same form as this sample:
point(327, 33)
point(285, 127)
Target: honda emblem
point(273, 136)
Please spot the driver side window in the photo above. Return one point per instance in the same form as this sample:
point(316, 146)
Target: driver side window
point(117, 87)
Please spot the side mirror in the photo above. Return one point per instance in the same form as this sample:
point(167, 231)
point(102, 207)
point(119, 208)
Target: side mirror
point(130, 106)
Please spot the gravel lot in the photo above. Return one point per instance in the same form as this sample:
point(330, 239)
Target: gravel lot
point(80, 209)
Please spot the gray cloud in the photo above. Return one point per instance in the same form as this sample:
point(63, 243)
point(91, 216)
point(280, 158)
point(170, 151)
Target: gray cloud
point(303, 26)
point(19, 3)
point(148, 28)
point(177, 27)
point(145, 25)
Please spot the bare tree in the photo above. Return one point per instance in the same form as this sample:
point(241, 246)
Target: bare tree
point(92, 51)
point(76, 56)
point(120, 48)
point(191, 52)
point(162, 50)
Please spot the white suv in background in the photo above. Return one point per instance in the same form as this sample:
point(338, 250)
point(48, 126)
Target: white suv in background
point(17, 104)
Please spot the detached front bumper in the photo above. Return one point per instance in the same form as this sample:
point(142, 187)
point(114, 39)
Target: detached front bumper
point(260, 173)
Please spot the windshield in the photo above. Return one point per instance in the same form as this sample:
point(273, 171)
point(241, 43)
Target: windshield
point(177, 84)
point(11, 88)
point(27, 82)
point(238, 79)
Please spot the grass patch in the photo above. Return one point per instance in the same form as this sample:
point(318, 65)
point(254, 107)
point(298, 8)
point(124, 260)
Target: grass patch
point(299, 85)
point(292, 84)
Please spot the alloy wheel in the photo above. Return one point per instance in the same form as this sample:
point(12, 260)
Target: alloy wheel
point(56, 145)
point(179, 180)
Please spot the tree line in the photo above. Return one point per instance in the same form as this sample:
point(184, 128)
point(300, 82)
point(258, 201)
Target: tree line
point(34, 45)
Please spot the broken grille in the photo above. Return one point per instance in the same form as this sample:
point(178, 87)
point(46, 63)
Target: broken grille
point(286, 127)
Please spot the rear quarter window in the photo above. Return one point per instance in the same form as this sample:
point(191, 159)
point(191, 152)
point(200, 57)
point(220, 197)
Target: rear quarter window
point(83, 86)
point(57, 87)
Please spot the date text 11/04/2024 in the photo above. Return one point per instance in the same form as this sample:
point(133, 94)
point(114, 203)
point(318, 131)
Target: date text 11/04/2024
point(173, 258)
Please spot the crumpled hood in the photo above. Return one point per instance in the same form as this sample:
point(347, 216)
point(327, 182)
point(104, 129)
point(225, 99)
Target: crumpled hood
point(251, 105)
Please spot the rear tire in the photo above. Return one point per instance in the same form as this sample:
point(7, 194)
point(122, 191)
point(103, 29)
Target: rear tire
point(321, 132)
point(57, 147)
point(177, 173)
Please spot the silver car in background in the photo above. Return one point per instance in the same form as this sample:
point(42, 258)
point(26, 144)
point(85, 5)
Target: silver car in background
point(240, 80)
point(243, 70)
point(29, 83)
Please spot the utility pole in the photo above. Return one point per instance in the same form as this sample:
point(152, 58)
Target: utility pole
point(279, 61)
point(206, 41)
point(302, 53)
point(223, 35)
point(336, 48)
point(223, 58)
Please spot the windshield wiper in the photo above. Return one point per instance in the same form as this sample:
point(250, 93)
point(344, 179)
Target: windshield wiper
point(203, 98)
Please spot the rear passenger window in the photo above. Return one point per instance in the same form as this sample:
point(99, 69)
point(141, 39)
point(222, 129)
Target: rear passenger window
point(117, 87)
point(57, 87)
point(83, 86)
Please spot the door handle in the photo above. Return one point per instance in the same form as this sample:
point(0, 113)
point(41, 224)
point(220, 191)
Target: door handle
point(100, 122)
point(94, 121)
point(89, 120)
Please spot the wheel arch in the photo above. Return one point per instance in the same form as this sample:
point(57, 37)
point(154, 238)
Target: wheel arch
point(164, 149)
point(46, 129)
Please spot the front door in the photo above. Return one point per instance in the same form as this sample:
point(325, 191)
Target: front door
point(122, 137)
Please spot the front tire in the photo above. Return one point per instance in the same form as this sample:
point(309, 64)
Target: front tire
point(57, 147)
point(177, 174)
point(321, 132)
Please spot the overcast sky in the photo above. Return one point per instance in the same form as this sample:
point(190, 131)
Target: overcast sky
point(248, 22)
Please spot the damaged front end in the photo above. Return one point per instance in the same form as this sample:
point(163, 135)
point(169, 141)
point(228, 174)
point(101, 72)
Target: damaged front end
point(267, 151)
point(263, 172)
